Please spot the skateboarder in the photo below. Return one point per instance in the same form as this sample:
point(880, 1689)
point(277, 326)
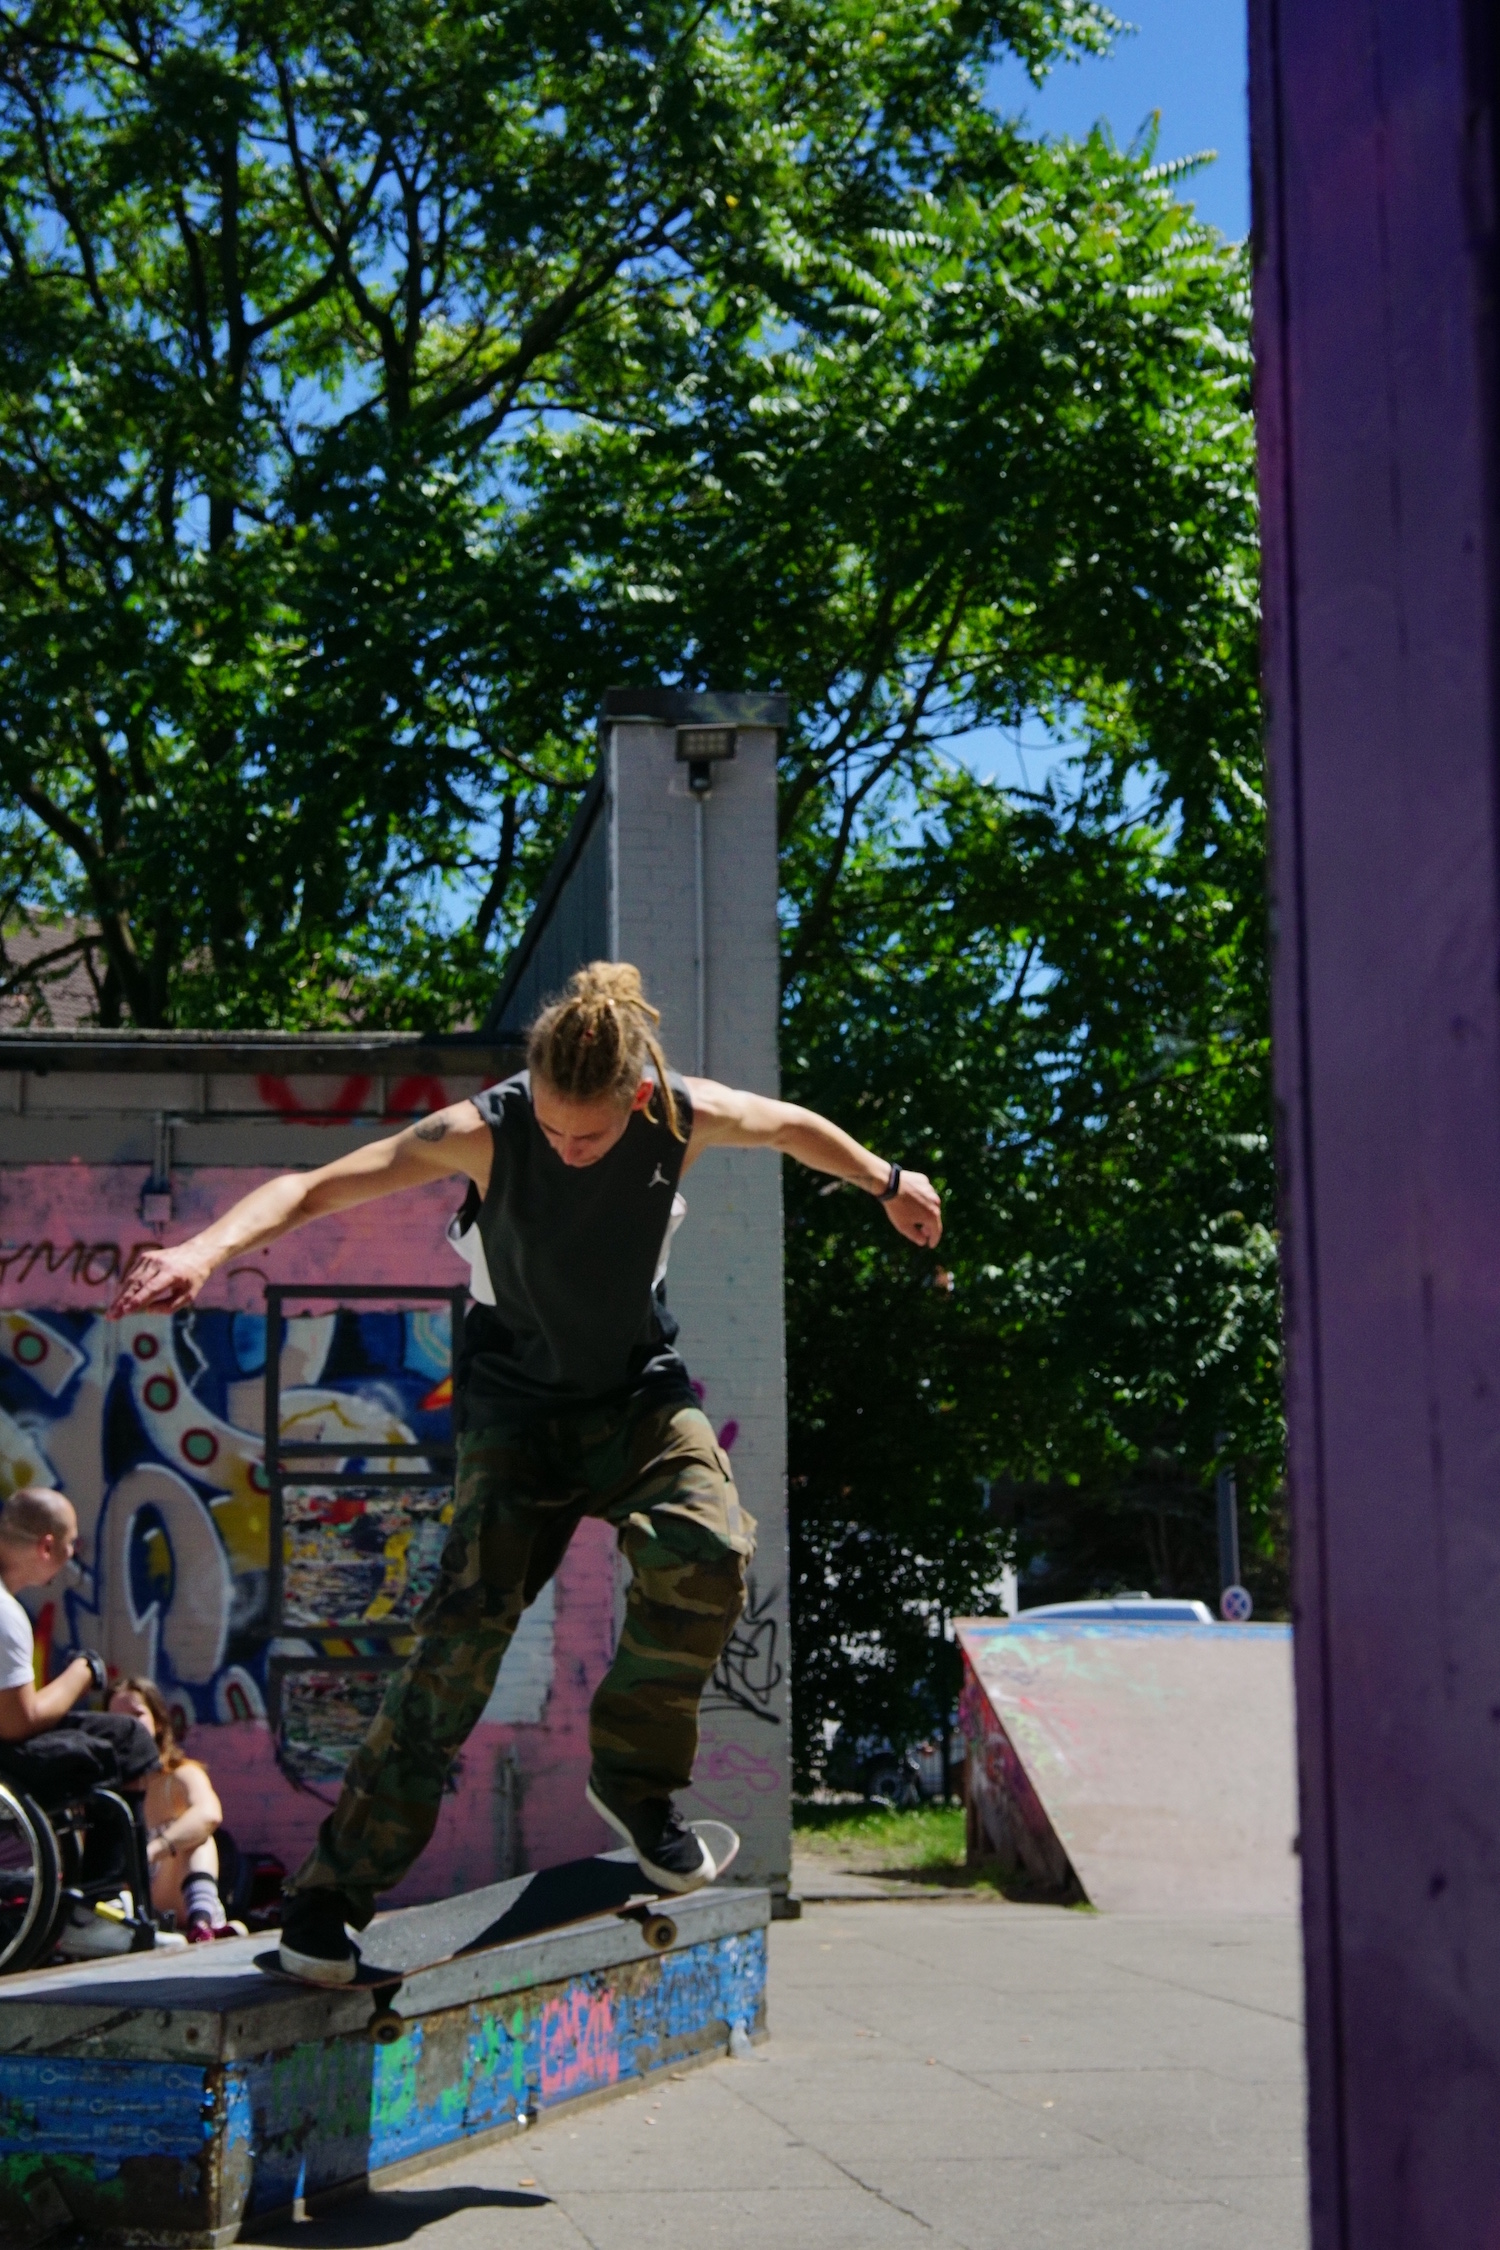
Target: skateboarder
point(570, 1401)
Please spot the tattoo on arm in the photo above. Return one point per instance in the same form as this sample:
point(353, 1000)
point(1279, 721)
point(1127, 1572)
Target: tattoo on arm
point(432, 1129)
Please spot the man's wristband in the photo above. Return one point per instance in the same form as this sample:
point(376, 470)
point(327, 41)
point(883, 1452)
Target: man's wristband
point(892, 1186)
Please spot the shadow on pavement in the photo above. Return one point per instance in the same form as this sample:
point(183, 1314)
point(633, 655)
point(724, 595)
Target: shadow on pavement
point(1015, 1886)
point(390, 2215)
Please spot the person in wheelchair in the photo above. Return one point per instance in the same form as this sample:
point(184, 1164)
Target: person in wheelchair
point(73, 1848)
point(182, 1814)
point(38, 1533)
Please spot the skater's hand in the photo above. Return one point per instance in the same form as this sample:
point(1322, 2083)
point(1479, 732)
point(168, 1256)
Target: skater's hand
point(162, 1281)
point(916, 1211)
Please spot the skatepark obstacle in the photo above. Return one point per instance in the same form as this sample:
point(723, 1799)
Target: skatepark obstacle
point(1143, 1768)
point(170, 2099)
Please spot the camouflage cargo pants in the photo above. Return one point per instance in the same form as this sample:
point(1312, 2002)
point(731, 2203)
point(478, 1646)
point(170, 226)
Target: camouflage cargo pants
point(658, 1476)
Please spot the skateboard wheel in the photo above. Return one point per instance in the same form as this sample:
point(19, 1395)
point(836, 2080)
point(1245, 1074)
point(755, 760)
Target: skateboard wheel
point(659, 1931)
point(386, 2027)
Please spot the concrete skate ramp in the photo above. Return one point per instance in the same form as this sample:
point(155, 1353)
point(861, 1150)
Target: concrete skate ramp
point(1159, 1759)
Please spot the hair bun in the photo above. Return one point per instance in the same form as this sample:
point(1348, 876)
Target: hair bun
point(599, 1038)
point(611, 984)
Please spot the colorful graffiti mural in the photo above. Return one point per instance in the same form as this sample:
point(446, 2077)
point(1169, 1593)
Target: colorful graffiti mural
point(154, 1426)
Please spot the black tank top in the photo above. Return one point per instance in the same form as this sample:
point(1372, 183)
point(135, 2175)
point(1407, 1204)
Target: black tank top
point(572, 1256)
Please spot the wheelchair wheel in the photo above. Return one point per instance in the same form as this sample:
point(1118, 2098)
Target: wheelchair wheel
point(30, 1881)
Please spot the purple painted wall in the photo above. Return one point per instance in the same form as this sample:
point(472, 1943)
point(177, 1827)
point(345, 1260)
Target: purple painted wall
point(1374, 130)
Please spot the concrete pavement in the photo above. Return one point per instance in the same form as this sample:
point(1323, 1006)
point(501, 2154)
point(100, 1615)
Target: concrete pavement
point(939, 2072)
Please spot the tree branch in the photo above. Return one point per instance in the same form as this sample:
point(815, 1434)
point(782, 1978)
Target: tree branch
point(39, 961)
point(60, 192)
point(494, 897)
point(538, 337)
point(200, 318)
point(336, 240)
point(810, 927)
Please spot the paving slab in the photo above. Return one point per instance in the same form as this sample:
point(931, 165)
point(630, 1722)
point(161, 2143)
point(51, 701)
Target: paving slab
point(942, 2074)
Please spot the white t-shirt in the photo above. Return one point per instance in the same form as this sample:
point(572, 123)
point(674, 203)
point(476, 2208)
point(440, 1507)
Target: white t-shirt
point(17, 1648)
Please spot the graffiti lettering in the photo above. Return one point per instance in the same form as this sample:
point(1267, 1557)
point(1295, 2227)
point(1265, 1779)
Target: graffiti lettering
point(414, 1094)
point(44, 1251)
point(579, 2050)
point(348, 1102)
point(749, 1672)
point(409, 1098)
point(732, 1782)
point(91, 1263)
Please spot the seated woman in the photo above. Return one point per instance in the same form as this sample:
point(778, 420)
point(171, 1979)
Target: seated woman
point(182, 1813)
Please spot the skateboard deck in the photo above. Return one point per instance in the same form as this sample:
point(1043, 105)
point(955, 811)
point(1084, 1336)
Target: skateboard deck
point(555, 1898)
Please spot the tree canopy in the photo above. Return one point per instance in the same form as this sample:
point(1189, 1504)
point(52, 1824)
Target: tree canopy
point(306, 310)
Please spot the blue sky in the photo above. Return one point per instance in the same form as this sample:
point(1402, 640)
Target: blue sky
point(1185, 58)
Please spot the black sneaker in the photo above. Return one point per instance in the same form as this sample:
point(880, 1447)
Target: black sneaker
point(314, 1943)
point(664, 1845)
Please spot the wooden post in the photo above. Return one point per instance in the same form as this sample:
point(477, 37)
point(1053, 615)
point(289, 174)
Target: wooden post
point(1374, 135)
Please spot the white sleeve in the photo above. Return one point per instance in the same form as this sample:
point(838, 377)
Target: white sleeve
point(17, 1649)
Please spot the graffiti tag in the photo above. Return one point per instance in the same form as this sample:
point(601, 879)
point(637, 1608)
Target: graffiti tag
point(89, 1262)
point(749, 1672)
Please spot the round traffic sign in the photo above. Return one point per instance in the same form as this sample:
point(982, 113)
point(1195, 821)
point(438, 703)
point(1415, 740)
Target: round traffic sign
point(1235, 1605)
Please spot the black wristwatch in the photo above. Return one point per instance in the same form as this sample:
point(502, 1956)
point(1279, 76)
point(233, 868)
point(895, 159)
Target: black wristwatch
point(892, 1186)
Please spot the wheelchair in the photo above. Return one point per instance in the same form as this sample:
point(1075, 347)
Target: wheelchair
point(74, 1875)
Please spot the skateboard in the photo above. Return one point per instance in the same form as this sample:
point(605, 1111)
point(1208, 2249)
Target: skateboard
point(555, 1898)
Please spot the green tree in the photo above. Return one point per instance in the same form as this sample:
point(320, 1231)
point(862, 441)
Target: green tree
point(296, 303)
point(1054, 1005)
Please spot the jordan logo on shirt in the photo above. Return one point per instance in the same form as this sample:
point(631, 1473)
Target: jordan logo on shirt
point(658, 1179)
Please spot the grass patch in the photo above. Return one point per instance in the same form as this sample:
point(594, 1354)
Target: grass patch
point(924, 1846)
point(875, 1838)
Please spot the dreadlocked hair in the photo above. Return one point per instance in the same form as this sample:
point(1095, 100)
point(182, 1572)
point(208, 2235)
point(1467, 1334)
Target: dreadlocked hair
point(594, 1043)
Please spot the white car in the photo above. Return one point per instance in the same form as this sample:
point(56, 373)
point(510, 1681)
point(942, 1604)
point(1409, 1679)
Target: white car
point(1136, 1609)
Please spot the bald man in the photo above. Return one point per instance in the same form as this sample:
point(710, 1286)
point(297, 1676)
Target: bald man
point(38, 1532)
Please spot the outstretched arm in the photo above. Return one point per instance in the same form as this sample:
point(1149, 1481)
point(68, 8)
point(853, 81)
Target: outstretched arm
point(455, 1140)
point(725, 1118)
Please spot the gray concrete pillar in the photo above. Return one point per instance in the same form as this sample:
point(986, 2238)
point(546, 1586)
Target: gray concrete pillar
point(691, 900)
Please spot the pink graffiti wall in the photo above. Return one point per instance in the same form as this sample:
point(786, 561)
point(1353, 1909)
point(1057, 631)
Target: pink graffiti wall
point(154, 1428)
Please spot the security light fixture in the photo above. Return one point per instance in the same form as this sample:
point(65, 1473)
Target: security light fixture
point(700, 749)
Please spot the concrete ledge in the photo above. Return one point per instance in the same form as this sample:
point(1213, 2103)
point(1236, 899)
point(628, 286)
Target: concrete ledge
point(316, 1053)
point(148, 2103)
